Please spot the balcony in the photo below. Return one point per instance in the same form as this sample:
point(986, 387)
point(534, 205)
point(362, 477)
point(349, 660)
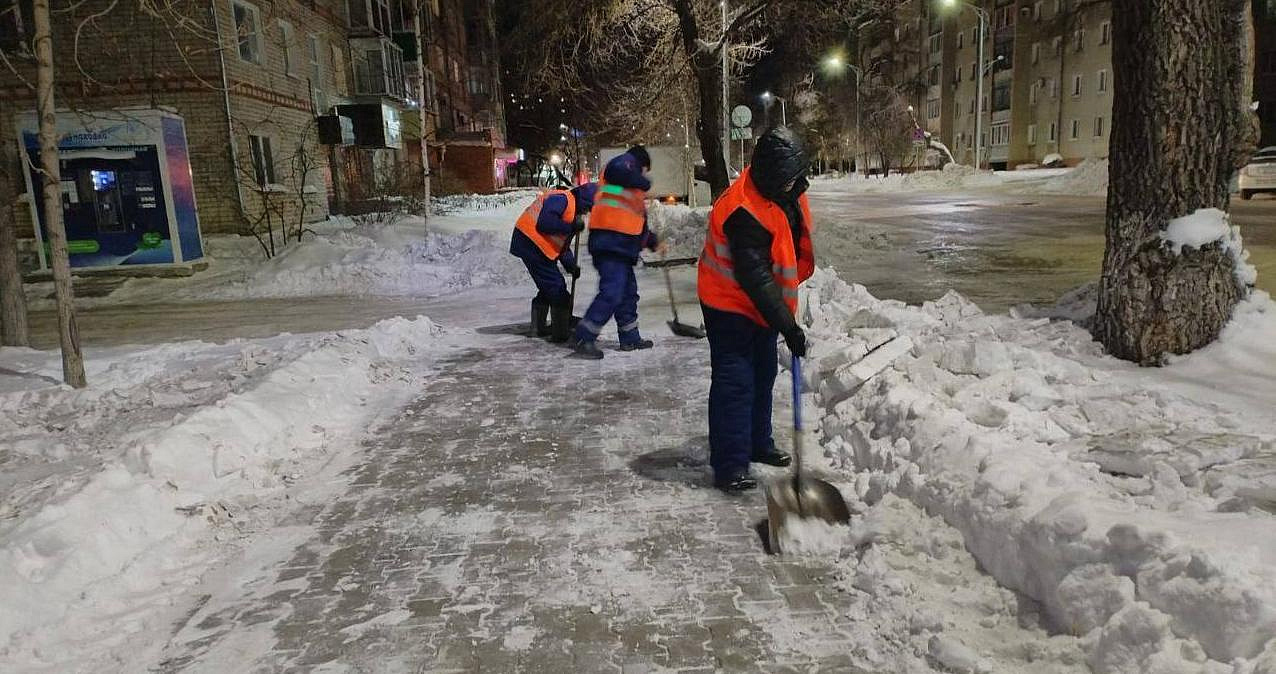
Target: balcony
point(378, 69)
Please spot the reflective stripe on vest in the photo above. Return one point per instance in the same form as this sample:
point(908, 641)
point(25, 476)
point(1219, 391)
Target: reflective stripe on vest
point(790, 264)
point(619, 209)
point(552, 245)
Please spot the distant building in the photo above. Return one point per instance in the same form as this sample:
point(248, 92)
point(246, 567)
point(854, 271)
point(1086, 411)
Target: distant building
point(1265, 67)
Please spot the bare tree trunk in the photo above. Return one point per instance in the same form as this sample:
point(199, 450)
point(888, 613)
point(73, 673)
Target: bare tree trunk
point(13, 305)
point(68, 333)
point(1179, 130)
point(707, 68)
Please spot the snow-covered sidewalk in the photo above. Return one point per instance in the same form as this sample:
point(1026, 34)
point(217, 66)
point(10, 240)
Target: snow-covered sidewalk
point(1089, 178)
point(1135, 505)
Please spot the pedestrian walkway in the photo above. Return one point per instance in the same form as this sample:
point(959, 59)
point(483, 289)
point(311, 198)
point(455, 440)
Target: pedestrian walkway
point(489, 531)
point(509, 522)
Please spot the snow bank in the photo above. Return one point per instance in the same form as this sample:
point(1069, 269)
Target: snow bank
point(1135, 505)
point(681, 226)
point(1089, 178)
point(477, 203)
point(130, 529)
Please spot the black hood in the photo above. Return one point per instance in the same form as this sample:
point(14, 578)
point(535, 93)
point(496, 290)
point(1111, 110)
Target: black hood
point(779, 158)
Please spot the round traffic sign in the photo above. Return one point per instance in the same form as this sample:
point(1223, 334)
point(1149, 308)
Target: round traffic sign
point(741, 116)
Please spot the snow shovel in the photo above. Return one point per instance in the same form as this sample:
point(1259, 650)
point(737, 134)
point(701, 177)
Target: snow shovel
point(678, 327)
point(801, 497)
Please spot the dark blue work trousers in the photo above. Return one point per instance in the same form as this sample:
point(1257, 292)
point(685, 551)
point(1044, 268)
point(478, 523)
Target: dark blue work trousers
point(743, 358)
point(617, 297)
point(550, 285)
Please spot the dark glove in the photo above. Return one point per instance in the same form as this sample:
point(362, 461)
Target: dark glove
point(573, 269)
point(795, 338)
point(578, 225)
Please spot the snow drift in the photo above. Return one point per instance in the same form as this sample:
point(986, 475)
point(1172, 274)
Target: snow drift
point(131, 529)
point(1135, 505)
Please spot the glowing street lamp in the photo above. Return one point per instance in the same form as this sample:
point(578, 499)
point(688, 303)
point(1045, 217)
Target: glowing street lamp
point(784, 115)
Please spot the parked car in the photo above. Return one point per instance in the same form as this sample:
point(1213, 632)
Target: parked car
point(1260, 174)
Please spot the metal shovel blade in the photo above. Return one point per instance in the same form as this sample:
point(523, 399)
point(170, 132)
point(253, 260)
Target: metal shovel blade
point(802, 498)
point(684, 330)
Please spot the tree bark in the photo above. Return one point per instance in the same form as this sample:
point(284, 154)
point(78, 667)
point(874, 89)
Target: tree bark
point(706, 65)
point(13, 305)
point(68, 334)
point(1179, 128)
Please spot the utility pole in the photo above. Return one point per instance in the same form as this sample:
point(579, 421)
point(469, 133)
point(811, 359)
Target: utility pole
point(726, 120)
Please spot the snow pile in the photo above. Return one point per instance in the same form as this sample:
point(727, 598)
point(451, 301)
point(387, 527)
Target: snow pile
point(477, 203)
point(1136, 506)
point(1089, 178)
point(345, 258)
point(680, 226)
point(1207, 226)
point(952, 177)
point(185, 438)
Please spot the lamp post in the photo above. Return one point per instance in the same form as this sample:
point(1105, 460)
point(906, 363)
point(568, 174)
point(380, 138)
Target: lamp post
point(784, 115)
point(834, 63)
point(726, 119)
point(979, 88)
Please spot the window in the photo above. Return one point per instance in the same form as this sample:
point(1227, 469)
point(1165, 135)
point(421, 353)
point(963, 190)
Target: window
point(1078, 40)
point(1032, 93)
point(932, 109)
point(263, 160)
point(1001, 96)
point(1036, 52)
point(339, 69)
point(316, 67)
point(248, 30)
point(1054, 132)
point(973, 67)
point(1054, 87)
point(1058, 7)
point(1098, 127)
point(972, 106)
point(936, 44)
point(1058, 46)
point(1032, 134)
point(1076, 85)
point(292, 50)
point(961, 39)
point(934, 75)
point(1001, 134)
point(1105, 32)
point(1076, 129)
point(974, 35)
point(1103, 81)
point(1037, 10)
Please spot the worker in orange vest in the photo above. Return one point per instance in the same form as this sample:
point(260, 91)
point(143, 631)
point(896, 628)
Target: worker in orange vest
point(617, 234)
point(757, 251)
point(541, 239)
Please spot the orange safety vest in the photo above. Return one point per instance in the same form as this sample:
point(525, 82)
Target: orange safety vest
point(619, 209)
point(552, 245)
point(791, 265)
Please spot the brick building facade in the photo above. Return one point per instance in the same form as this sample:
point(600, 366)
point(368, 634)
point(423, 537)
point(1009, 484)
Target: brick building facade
point(254, 81)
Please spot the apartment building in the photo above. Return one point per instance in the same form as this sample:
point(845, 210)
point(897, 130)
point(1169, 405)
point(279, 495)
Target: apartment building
point(1047, 79)
point(1265, 68)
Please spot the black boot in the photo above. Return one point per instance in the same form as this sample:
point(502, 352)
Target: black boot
point(772, 457)
point(561, 324)
point(736, 483)
point(637, 346)
point(540, 316)
point(587, 350)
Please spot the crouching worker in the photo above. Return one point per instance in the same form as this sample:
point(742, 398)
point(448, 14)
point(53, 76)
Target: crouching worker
point(757, 251)
point(542, 239)
point(617, 234)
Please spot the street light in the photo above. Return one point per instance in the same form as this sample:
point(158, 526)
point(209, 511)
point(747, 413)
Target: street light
point(784, 115)
point(979, 89)
point(835, 62)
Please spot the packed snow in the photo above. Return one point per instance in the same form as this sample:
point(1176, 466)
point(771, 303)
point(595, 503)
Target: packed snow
point(114, 497)
point(1134, 505)
point(1208, 226)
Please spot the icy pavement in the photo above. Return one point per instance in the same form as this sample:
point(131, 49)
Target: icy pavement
point(490, 527)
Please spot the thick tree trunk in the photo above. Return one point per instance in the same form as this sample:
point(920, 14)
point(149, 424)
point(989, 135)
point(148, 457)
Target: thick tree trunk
point(707, 66)
point(72, 358)
point(1178, 130)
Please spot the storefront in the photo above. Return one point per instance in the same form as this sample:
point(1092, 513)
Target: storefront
point(127, 193)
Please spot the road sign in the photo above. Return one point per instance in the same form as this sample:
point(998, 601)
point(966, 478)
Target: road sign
point(742, 134)
point(741, 116)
